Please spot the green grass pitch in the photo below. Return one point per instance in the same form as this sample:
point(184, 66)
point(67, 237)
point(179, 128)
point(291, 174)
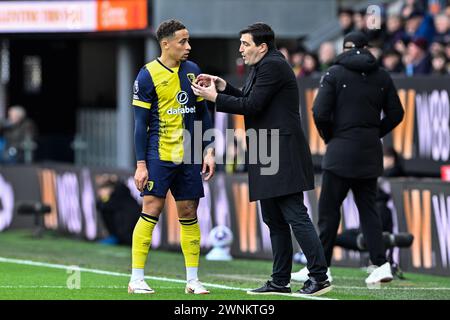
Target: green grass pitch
point(37, 268)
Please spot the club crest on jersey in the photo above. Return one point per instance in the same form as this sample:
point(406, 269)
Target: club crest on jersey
point(191, 77)
point(150, 185)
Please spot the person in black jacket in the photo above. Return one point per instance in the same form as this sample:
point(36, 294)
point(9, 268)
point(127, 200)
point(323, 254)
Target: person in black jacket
point(117, 208)
point(347, 112)
point(269, 102)
point(353, 239)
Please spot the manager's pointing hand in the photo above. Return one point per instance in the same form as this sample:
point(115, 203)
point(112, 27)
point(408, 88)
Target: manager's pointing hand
point(208, 93)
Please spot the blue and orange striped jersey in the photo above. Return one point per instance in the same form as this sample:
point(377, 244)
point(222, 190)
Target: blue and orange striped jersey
point(166, 94)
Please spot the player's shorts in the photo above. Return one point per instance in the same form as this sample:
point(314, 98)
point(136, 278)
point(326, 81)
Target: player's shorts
point(183, 180)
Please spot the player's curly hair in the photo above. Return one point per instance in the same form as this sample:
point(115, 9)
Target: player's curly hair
point(168, 28)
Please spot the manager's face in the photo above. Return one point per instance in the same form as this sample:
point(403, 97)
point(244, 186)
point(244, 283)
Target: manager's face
point(251, 53)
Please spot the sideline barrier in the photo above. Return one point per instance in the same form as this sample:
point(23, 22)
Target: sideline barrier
point(419, 206)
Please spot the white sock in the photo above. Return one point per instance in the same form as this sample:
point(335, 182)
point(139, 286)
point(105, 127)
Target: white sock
point(191, 273)
point(137, 274)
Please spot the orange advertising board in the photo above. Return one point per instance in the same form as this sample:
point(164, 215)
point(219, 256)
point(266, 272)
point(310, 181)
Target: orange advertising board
point(121, 15)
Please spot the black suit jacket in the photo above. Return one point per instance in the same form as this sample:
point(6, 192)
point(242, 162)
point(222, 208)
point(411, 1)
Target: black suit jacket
point(270, 100)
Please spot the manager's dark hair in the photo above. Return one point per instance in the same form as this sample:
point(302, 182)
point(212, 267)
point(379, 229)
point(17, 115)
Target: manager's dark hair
point(261, 33)
point(168, 28)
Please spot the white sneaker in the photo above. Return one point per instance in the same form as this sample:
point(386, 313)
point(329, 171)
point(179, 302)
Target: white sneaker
point(139, 286)
point(381, 274)
point(195, 287)
point(302, 275)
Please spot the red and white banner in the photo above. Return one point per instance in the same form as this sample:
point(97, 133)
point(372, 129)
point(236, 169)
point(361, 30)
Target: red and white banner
point(72, 16)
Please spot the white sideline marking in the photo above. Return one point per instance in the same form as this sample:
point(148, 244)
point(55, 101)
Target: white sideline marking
point(65, 287)
point(242, 277)
point(119, 274)
point(391, 288)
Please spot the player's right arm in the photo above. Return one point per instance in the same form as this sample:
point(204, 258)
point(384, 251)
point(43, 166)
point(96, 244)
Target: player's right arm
point(142, 99)
point(140, 141)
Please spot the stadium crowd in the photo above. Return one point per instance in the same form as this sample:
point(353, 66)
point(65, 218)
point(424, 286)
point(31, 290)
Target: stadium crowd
point(413, 39)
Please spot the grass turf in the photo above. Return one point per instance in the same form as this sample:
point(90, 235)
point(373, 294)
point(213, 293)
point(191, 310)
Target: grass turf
point(19, 281)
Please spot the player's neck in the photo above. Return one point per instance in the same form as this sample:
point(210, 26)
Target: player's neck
point(169, 62)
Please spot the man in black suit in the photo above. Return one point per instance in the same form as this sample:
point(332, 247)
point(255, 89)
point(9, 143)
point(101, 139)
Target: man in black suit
point(270, 103)
point(347, 111)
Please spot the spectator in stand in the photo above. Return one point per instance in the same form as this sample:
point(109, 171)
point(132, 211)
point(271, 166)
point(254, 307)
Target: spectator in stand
point(310, 65)
point(442, 26)
point(412, 24)
point(392, 61)
point(436, 6)
point(437, 48)
point(417, 60)
point(394, 31)
point(412, 5)
point(447, 50)
point(345, 16)
point(400, 46)
point(439, 65)
point(419, 24)
point(414, 39)
point(297, 61)
point(359, 20)
point(19, 133)
point(285, 53)
point(327, 53)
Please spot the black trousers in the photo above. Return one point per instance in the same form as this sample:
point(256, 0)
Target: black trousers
point(281, 213)
point(334, 191)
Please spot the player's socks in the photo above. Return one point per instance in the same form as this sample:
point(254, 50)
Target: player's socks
point(191, 273)
point(142, 239)
point(137, 274)
point(190, 245)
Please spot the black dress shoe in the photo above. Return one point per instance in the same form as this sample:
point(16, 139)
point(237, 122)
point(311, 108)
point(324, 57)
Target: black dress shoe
point(270, 288)
point(315, 288)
